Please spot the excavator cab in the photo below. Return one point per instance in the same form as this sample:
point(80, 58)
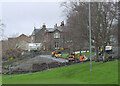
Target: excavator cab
point(56, 54)
point(73, 57)
point(53, 53)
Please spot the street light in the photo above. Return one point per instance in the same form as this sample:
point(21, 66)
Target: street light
point(90, 37)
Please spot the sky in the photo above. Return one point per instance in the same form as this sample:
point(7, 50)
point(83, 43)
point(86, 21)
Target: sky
point(21, 17)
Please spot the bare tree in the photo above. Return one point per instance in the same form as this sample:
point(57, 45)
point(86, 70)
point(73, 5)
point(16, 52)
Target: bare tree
point(1, 30)
point(1, 33)
point(76, 30)
point(104, 15)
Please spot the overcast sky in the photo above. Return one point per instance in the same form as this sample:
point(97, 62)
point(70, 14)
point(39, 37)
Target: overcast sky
point(20, 17)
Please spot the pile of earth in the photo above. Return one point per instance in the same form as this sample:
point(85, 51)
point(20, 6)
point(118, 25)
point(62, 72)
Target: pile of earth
point(38, 63)
point(38, 67)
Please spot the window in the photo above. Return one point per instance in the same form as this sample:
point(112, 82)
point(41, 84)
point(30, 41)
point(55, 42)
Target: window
point(32, 38)
point(57, 35)
point(56, 45)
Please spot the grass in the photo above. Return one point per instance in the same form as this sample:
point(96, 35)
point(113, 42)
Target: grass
point(0, 79)
point(65, 55)
point(102, 73)
point(87, 54)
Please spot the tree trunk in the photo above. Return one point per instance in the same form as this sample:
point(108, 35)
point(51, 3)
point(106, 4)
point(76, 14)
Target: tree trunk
point(80, 53)
point(96, 50)
point(104, 53)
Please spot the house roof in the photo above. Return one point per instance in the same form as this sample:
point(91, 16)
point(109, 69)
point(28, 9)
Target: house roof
point(53, 29)
point(35, 31)
point(23, 35)
point(47, 30)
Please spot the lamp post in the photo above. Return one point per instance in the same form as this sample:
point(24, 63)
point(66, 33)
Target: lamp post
point(90, 37)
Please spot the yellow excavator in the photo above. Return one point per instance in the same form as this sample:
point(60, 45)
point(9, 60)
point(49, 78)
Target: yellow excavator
point(73, 57)
point(56, 54)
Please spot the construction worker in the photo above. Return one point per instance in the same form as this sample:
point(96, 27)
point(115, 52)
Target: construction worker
point(81, 58)
point(53, 53)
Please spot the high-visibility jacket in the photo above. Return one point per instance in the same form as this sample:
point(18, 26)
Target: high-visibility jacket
point(81, 58)
point(101, 49)
point(53, 52)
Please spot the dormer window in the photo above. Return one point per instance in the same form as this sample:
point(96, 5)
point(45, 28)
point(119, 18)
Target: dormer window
point(57, 35)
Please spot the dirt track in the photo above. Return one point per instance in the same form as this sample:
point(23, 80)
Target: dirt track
point(53, 58)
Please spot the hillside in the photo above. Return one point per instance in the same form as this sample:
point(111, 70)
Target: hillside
point(103, 73)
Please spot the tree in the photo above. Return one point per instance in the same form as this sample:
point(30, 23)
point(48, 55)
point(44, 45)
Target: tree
point(103, 17)
point(107, 14)
point(76, 30)
point(1, 30)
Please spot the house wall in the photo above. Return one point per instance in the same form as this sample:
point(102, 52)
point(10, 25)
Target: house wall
point(4, 45)
point(38, 37)
point(50, 40)
point(23, 45)
point(18, 42)
point(45, 36)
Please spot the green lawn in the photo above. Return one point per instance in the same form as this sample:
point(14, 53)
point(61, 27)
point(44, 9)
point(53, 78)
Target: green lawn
point(102, 73)
point(0, 79)
point(65, 55)
point(87, 54)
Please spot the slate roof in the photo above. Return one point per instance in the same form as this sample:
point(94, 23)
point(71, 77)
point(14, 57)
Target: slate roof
point(47, 30)
point(53, 29)
point(35, 31)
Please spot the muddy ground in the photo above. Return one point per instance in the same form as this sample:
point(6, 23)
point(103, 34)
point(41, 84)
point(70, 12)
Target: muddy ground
point(43, 62)
point(38, 67)
point(38, 63)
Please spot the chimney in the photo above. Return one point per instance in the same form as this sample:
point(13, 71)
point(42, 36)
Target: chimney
point(62, 23)
point(34, 27)
point(43, 26)
point(55, 26)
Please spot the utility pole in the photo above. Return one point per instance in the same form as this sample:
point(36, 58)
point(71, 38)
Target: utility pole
point(90, 37)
